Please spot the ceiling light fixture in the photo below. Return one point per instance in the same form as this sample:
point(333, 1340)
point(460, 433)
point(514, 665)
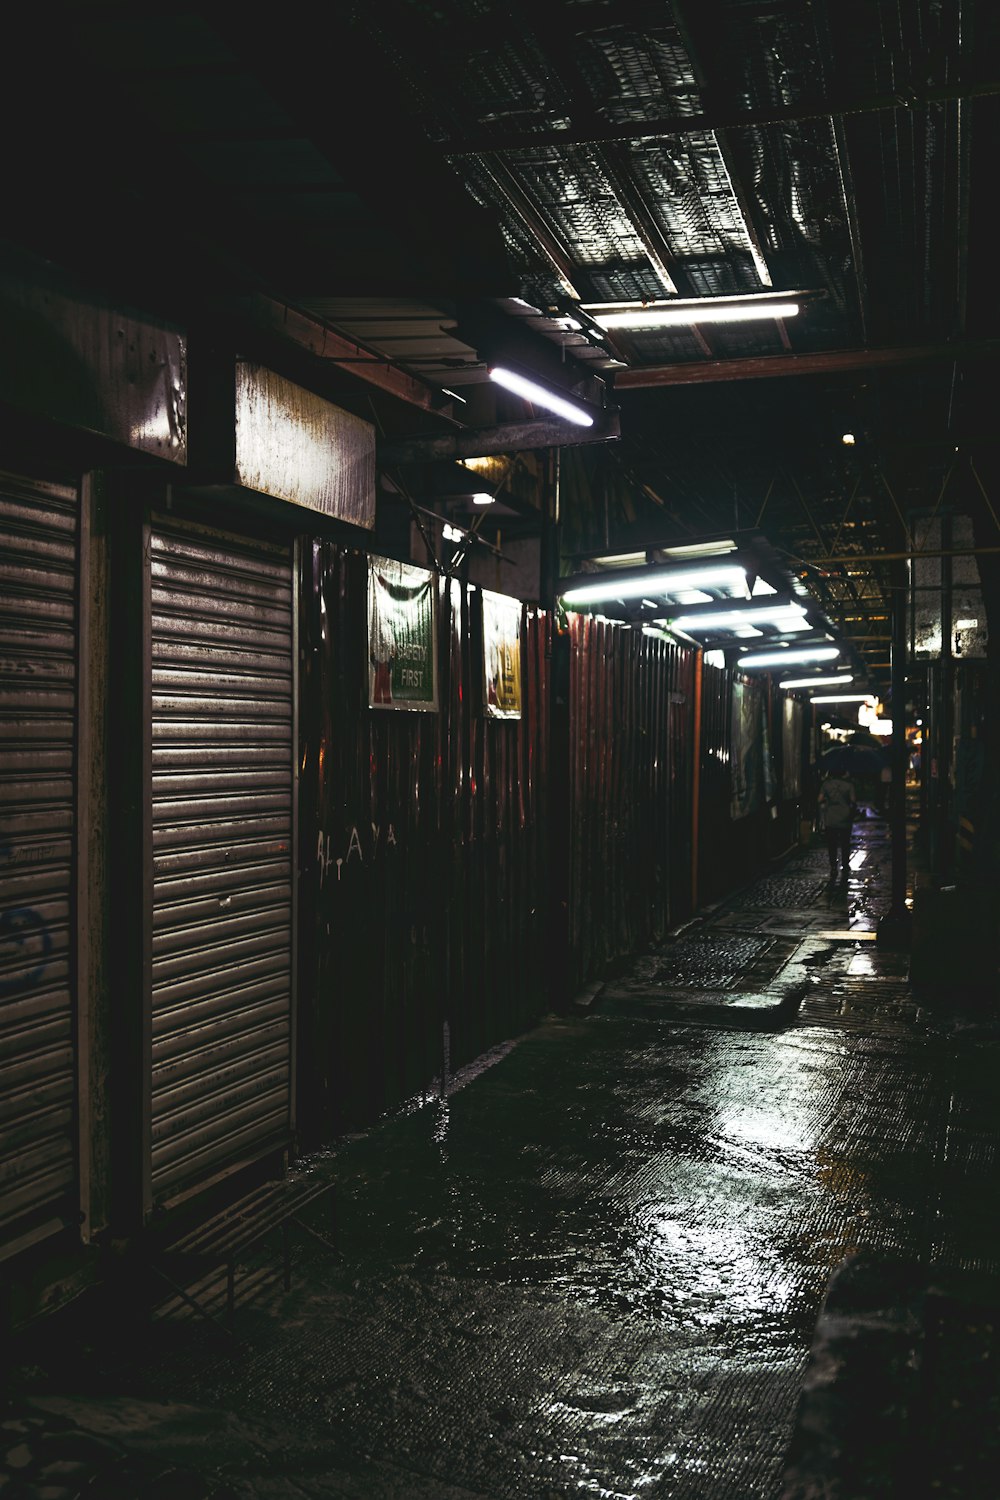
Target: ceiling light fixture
point(684, 314)
point(785, 616)
point(482, 498)
point(808, 682)
point(700, 549)
point(843, 698)
point(665, 579)
point(789, 655)
point(539, 396)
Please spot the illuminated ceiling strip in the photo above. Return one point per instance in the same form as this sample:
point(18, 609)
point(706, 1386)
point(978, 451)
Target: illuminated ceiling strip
point(788, 656)
point(792, 616)
point(843, 698)
point(539, 396)
point(688, 314)
point(655, 580)
point(808, 682)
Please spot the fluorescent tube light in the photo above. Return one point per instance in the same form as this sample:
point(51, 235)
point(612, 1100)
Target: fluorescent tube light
point(621, 560)
point(712, 310)
point(789, 655)
point(665, 579)
point(808, 682)
point(843, 698)
point(699, 549)
point(790, 616)
point(537, 394)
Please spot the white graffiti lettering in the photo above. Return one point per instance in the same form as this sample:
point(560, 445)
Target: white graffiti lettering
point(325, 859)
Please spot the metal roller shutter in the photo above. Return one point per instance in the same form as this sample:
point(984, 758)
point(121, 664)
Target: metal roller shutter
point(222, 815)
point(39, 532)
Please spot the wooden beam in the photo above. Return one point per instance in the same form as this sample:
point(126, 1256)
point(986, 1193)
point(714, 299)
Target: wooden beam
point(828, 362)
point(512, 437)
point(325, 343)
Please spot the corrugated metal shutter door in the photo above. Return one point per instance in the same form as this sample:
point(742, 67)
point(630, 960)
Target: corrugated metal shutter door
point(222, 820)
point(39, 526)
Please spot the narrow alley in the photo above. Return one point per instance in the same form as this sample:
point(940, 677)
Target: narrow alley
point(593, 1264)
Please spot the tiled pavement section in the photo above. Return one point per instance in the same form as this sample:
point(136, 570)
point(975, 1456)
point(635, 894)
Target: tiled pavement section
point(597, 1265)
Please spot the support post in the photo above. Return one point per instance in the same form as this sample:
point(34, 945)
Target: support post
point(894, 929)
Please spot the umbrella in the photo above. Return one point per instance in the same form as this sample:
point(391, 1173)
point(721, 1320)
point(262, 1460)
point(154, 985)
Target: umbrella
point(855, 760)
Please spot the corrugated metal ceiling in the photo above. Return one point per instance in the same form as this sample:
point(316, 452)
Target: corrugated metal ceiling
point(413, 177)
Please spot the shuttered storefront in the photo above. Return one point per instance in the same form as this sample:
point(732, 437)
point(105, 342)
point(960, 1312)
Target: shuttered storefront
point(221, 752)
point(39, 545)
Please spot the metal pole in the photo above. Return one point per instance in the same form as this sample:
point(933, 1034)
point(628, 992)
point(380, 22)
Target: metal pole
point(696, 777)
point(894, 928)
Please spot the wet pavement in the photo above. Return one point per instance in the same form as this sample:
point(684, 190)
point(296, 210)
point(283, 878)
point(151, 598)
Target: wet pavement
point(727, 1231)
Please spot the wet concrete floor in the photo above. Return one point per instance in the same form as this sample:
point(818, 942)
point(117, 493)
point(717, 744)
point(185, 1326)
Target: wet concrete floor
point(595, 1266)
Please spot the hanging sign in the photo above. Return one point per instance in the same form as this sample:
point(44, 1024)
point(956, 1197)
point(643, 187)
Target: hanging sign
point(402, 660)
point(501, 656)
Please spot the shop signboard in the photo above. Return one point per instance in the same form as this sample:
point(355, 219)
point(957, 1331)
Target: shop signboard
point(501, 656)
point(402, 635)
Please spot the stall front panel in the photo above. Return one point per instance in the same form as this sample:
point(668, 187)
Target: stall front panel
point(220, 952)
point(39, 548)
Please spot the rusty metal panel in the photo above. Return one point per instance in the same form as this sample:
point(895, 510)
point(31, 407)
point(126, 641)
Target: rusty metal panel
point(221, 839)
point(295, 445)
point(79, 362)
point(424, 881)
point(39, 527)
point(630, 780)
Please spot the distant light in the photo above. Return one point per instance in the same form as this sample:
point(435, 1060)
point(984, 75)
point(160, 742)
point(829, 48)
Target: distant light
point(715, 658)
point(451, 533)
point(482, 498)
point(848, 438)
point(806, 682)
point(966, 624)
point(539, 396)
point(611, 587)
point(446, 391)
point(788, 656)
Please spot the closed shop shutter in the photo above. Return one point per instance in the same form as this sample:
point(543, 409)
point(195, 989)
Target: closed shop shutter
point(39, 543)
point(221, 832)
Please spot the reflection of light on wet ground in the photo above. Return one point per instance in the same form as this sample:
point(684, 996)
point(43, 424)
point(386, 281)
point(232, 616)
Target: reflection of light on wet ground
point(719, 1270)
point(763, 1129)
point(858, 858)
point(588, 1483)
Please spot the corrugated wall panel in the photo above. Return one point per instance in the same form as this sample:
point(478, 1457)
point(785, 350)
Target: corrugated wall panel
point(39, 526)
point(630, 784)
point(221, 834)
point(425, 889)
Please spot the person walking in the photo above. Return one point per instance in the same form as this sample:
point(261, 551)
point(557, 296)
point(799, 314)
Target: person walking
point(837, 804)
